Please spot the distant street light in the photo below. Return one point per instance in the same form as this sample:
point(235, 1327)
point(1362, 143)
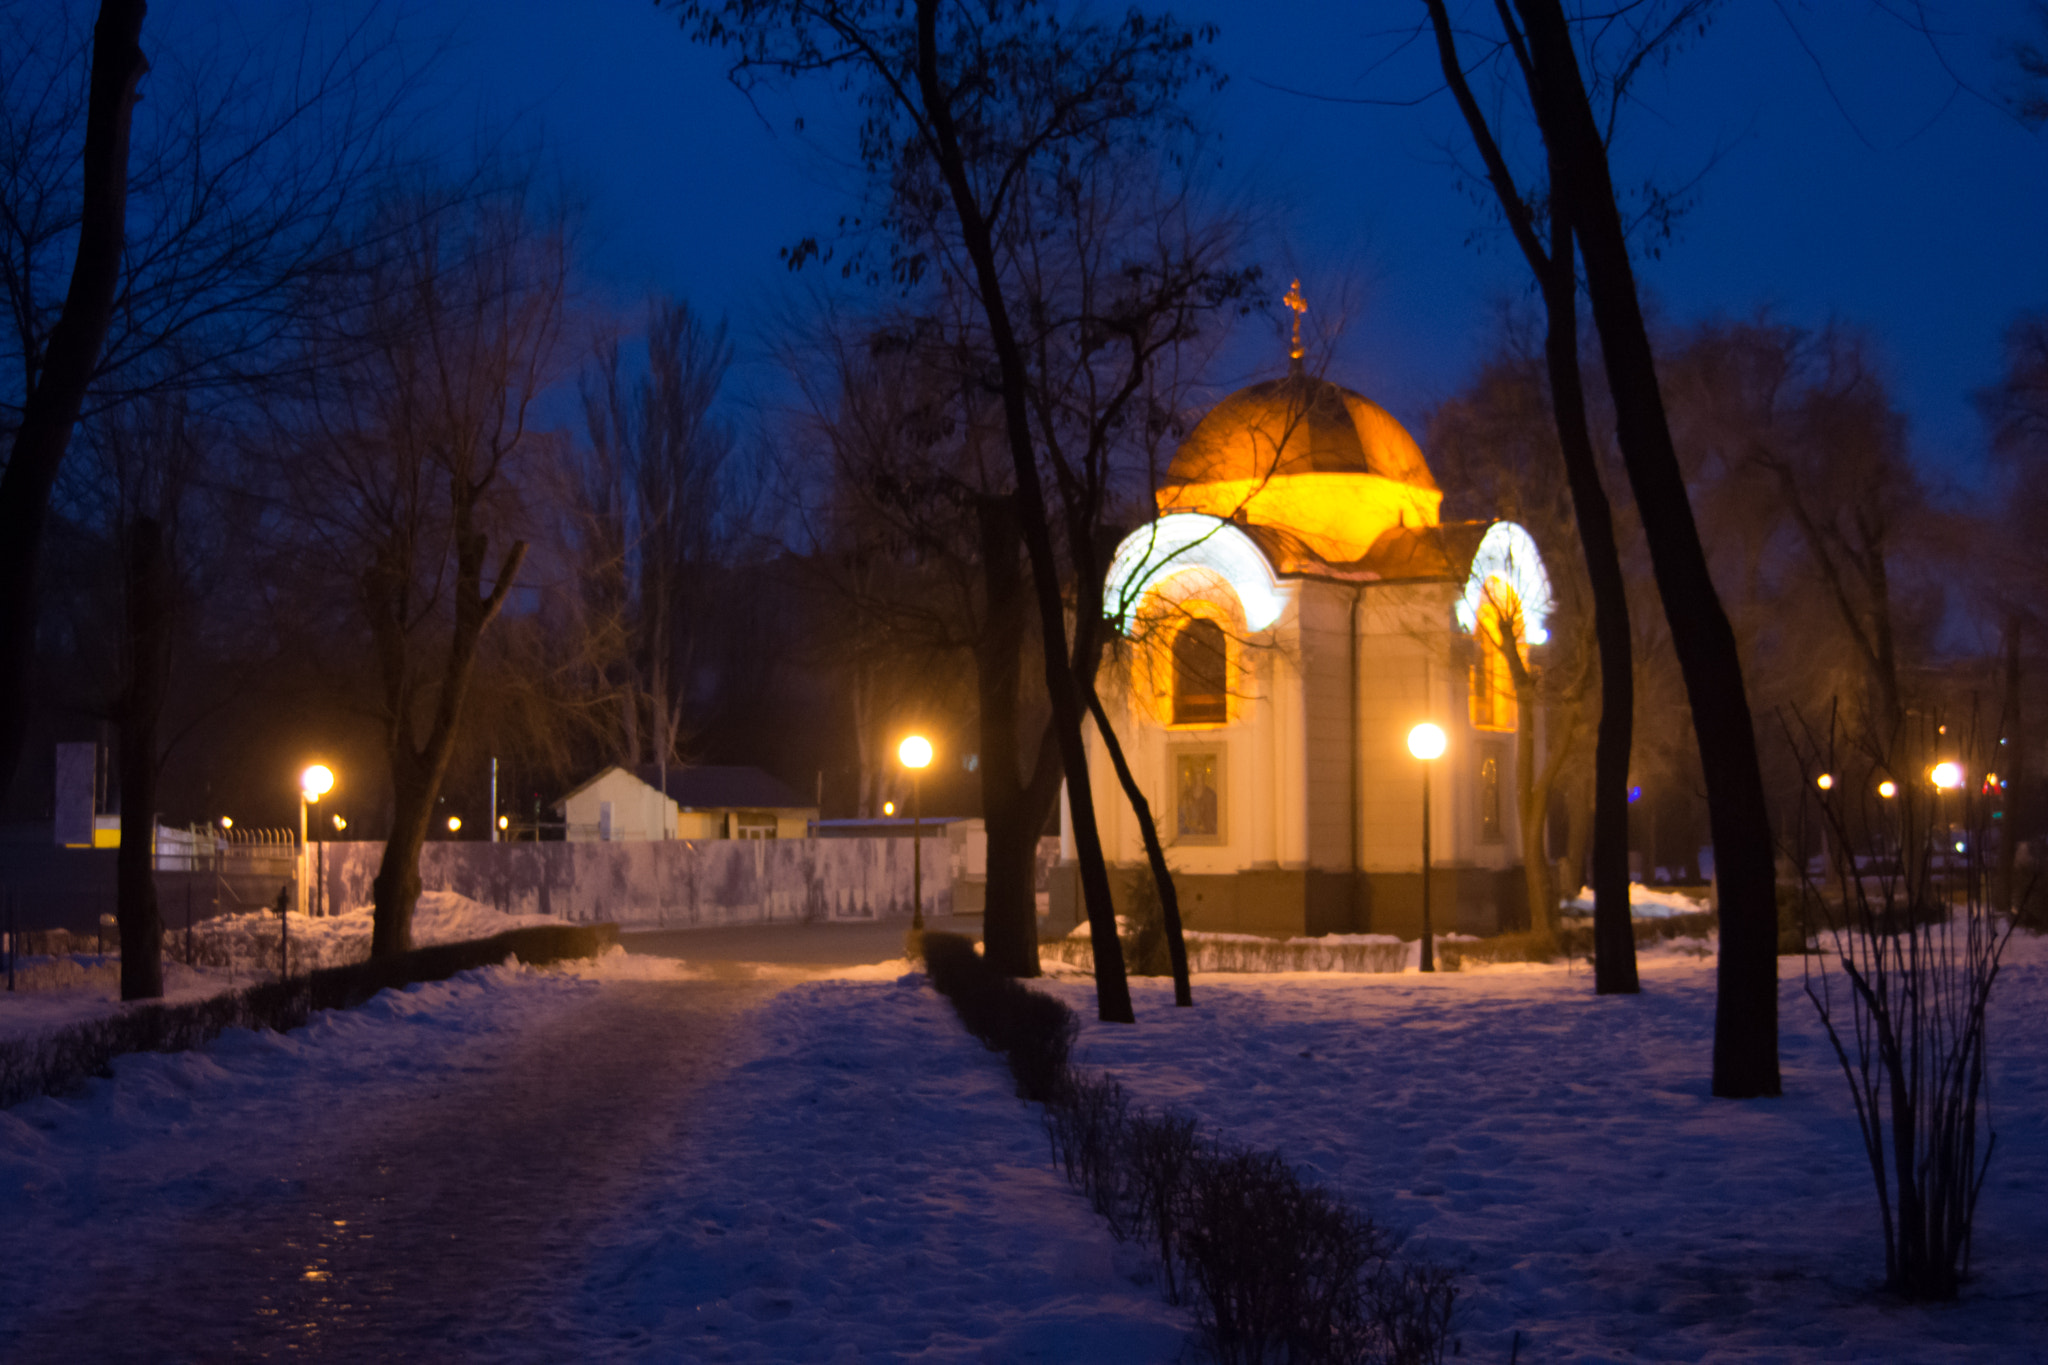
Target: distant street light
point(227, 822)
point(888, 808)
point(340, 824)
point(1887, 789)
point(1825, 781)
point(1426, 742)
point(454, 824)
point(504, 822)
point(1947, 776)
point(915, 752)
point(315, 782)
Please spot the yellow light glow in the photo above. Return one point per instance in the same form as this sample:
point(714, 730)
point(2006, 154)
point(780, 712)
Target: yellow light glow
point(1426, 742)
point(340, 824)
point(454, 823)
point(1825, 781)
point(227, 822)
point(316, 781)
point(915, 752)
point(1887, 789)
point(888, 808)
point(504, 822)
point(1338, 516)
point(1947, 776)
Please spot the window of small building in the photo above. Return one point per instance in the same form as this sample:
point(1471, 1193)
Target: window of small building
point(1201, 675)
point(1491, 681)
point(748, 824)
point(1489, 797)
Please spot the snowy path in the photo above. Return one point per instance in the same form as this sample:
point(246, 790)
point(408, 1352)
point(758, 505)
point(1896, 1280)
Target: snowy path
point(361, 1215)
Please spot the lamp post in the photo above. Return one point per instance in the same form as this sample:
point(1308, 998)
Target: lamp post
point(916, 754)
point(314, 783)
point(1426, 742)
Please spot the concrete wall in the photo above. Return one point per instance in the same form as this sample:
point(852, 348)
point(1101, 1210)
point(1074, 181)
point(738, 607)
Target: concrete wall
point(673, 884)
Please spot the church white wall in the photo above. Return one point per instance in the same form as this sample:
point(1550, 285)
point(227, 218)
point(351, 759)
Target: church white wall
point(1263, 766)
point(1326, 683)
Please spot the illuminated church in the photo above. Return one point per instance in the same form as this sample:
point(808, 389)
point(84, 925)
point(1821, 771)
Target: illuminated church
point(1295, 609)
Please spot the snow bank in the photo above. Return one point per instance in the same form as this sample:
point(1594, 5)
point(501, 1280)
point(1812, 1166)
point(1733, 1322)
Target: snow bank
point(1644, 902)
point(232, 951)
point(1565, 1148)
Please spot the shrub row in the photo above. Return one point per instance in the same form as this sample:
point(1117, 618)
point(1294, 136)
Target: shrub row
point(62, 1060)
point(1276, 1269)
point(1248, 953)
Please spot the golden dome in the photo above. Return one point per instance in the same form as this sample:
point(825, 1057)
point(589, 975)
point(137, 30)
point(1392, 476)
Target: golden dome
point(1298, 425)
point(1307, 457)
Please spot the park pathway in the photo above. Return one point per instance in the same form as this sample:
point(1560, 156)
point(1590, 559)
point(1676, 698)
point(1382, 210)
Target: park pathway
point(441, 1214)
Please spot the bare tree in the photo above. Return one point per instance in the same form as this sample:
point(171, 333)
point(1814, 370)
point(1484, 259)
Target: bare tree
point(1541, 43)
point(200, 242)
point(407, 458)
point(964, 108)
point(655, 512)
point(68, 355)
point(1550, 249)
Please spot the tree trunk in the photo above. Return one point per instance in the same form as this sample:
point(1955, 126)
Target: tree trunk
point(1015, 807)
point(1155, 855)
point(1746, 1014)
point(50, 409)
point(1112, 990)
point(1614, 940)
point(417, 770)
point(146, 607)
point(1614, 971)
point(2010, 755)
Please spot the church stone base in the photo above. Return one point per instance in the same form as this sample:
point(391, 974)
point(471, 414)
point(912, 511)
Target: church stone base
point(1287, 902)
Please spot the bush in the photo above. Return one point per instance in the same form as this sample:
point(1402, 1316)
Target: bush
point(1452, 954)
point(1033, 1030)
point(1280, 1270)
point(63, 1060)
point(1145, 948)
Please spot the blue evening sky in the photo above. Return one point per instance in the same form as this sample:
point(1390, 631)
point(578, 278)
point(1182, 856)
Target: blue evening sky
point(1840, 173)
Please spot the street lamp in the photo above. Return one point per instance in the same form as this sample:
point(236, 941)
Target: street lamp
point(314, 783)
point(454, 824)
point(1826, 781)
point(1887, 789)
point(915, 753)
point(1426, 742)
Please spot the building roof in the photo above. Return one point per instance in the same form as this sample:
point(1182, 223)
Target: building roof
point(1298, 425)
point(710, 786)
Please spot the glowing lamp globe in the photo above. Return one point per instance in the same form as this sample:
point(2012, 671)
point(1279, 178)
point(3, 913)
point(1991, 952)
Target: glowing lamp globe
point(504, 822)
point(1887, 789)
point(227, 822)
point(1426, 742)
point(1948, 776)
point(340, 824)
point(454, 823)
point(888, 808)
point(915, 752)
point(1825, 781)
point(316, 781)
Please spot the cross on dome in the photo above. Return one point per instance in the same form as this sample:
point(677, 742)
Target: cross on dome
point(1295, 301)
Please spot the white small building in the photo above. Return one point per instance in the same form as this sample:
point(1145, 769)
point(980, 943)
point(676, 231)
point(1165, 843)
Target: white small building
point(701, 802)
point(1296, 607)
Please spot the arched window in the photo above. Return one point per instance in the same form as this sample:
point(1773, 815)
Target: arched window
point(1201, 675)
point(1492, 680)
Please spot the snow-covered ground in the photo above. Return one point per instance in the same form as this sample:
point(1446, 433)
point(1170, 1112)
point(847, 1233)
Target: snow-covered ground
point(862, 1185)
point(232, 951)
point(1644, 902)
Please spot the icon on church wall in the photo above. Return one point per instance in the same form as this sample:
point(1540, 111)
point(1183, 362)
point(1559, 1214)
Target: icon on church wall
point(1197, 777)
